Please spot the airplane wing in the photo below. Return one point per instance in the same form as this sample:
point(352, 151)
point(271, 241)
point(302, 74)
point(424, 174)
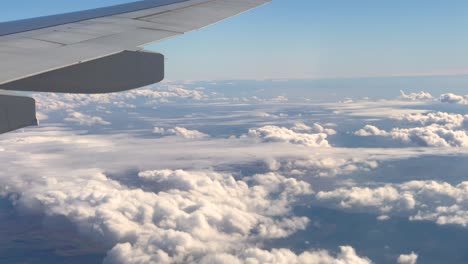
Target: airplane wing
point(100, 50)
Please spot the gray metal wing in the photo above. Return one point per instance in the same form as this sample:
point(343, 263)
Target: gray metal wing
point(36, 54)
point(95, 51)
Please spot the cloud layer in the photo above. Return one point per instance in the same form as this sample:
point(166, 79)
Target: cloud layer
point(440, 130)
point(219, 183)
point(439, 202)
point(282, 134)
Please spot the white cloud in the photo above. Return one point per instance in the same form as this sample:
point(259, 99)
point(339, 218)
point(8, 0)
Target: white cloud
point(451, 98)
point(370, 130)
point(386, 199)
point(411, 258)
point(416, 96)
point(282, 134)
point(301, 127)
point(198, 215)
point(377, 109)
point(41, 116)
point(153, 95)
point(181, 132)
point(315, 128)
point(86, 120)
point(280, 99)
point(203, 214)
point(439, 202)
point(383, 217)
point(347, 255)
point(328, 166)
point(123, 104)
point(441, 118)
point(431, 136)
point(184, 217)
point(166, 92)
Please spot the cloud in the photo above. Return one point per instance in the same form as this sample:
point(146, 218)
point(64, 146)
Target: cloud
point(447, 120)
point(282, 134)
point(172, 215)
point(280, 99)
point(85, 120)
point(439, 129)
point(330, 166)
point(387, 198)
point(416, 96)
point(370, 130)
point(347, 255)
point(377, 109)
point(408, 259)
point(181, 132)
point(225, 198)
point(185, 217)
point(123, 104)
point(430, 136)
point(439, 202)
point(316, 128)
point(167, 91)
point(301, 127)
point(156, 94)
point(451, 98)
point(41, 116)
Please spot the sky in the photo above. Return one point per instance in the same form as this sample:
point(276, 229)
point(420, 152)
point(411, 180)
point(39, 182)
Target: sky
point(308, 39)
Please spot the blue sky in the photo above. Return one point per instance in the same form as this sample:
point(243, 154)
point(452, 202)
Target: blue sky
point(308, 39)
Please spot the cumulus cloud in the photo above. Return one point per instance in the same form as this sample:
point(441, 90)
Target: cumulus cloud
point(370, 130)
point(168, 91)
point(168, 216)
point(282, 134)
point(300, 127)
point(386, 198)
point(178, 216)
point(416, 96)
point(315, 128)
point(156, 94)
point(181, 132)
point(85, 120)
point(451, 98)
point(327, 166)
point(431, 136)
point(411, 258)
point(347, 255)
point(440, 118)
point(439, 202)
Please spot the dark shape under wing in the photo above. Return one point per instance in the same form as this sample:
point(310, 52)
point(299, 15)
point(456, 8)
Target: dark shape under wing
point(16, 112)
